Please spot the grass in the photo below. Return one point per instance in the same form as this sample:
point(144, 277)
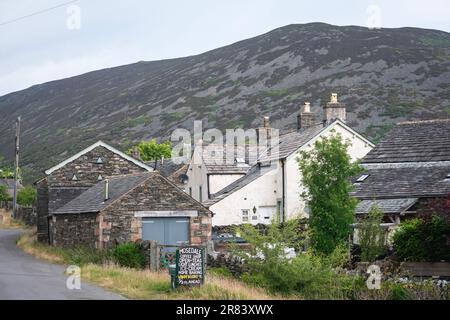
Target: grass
point(141, 284)
point(7, 222)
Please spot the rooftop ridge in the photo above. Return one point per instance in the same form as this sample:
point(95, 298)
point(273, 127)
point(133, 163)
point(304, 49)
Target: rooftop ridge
point(422, 121)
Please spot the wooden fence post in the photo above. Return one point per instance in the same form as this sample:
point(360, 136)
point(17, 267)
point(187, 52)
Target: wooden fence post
point(154, 256)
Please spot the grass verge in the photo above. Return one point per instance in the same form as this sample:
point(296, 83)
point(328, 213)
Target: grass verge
point(142, 284)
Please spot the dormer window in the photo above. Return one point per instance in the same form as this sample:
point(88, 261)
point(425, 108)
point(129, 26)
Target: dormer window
point(74, 177)
point(99, 161)
point(362, 178)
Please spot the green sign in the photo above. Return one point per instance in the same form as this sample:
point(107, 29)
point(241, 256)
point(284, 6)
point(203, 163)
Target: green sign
point(190, 268)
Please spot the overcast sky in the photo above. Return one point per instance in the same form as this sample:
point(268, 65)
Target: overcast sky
point(59, 43)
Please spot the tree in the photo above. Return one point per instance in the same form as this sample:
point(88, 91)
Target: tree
point(371, 235)
point(154, 151)
point(4, 196)
point(326, 172)
point(27, 196)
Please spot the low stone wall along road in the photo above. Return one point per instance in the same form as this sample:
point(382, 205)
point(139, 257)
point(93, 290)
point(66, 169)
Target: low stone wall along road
point(24, 277)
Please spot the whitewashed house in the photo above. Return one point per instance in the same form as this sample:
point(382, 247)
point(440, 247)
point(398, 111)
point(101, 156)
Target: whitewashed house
point(272, 186)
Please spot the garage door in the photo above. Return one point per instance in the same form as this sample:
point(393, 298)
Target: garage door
point(167, 231)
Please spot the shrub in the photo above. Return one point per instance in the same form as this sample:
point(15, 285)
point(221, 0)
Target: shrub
point(371, 235)
point(419, 240)
point(27, 196)
point(4, 196)
point(129, 255)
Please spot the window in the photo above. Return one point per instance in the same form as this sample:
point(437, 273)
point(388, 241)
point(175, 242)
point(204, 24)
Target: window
point(100, 178)
point(362, 178)
point(200, 194)
point(245, 214)
point(99, 161)
point(74, 177)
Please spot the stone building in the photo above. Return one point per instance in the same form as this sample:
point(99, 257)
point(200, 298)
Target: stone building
point(408, 168)
point(84, 174)
point(67, 180)
point(130, 207)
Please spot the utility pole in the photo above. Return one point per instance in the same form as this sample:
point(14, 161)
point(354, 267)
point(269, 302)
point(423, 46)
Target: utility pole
point(16, 166)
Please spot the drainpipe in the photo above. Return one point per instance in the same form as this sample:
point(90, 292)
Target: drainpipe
point(283, 212)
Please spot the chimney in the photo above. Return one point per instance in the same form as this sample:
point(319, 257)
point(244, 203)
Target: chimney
point(162, 160)
point(263, 134)
point(306, 118)
point(334, 110)
point(106, 189)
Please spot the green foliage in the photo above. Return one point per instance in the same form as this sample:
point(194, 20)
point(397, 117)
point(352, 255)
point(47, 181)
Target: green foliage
point(419, 240)
point(27, 196)
point(84, 255)
point(129, 255)
point(153, 151)
point(371, 235)
point(4, 196)
point(6, 173)
point(326, 172)
point(308, 275)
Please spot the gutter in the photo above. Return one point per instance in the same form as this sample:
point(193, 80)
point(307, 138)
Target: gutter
point(283, 212)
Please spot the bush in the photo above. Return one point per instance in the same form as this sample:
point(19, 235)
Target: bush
point(371, 235)
point(4, 196)
point(129, 255)
point(27, 196)
point(419, 240)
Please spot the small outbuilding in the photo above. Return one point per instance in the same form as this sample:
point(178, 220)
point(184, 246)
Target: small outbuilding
point(127, 208)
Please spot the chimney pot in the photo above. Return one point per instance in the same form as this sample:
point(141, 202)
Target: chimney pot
point(266, 122)
point(334, 98)
point(106, 189)
point(307, 107)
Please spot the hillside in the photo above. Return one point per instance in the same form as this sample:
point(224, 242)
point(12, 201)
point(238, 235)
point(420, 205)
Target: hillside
point(383, 76)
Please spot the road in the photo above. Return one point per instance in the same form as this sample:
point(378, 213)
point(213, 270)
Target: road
point(24, 277)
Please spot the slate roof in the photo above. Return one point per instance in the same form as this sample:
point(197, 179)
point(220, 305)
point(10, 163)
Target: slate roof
point(167, 168)
point(418, 180)
point(414, 141)
point(92, 200)
point(387, 206)
point(215, 158)
point(291, 142)
point(254, 173)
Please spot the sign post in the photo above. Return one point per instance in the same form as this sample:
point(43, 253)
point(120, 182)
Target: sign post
point(190, 267)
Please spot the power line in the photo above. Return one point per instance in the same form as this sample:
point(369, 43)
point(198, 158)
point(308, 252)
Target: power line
point(36, 13)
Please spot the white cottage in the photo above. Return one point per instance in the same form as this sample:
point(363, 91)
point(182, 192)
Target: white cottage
point(273, 185)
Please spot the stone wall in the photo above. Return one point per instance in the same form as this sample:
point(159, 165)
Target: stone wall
point(58, 188)
point(72, 230)
point(27, 215)
point(42, 211)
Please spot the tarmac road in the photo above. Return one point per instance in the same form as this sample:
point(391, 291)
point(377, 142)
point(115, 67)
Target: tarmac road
point(23, 277)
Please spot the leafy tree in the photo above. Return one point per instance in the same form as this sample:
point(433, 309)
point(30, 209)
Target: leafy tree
point(326, 172)
point(27, 196)
point(6, 173)
point(154, 151)
point(423, 240)
point(371, 235)
point(4, 196)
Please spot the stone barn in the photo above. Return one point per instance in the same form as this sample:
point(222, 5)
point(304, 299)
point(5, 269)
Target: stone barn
point(70, 178)
point(127, 208)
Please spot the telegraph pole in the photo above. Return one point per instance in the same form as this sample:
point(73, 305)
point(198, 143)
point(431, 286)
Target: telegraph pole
point(16, 166)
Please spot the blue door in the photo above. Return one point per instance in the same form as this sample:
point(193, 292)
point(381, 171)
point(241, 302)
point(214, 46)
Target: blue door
point(167, 231)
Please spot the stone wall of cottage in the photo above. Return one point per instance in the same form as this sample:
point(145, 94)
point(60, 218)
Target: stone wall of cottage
point(72, 230)
point(59, 187)
point(42, 210)
point(117, 223)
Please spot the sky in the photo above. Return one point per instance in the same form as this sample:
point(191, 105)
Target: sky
point(44, 40)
